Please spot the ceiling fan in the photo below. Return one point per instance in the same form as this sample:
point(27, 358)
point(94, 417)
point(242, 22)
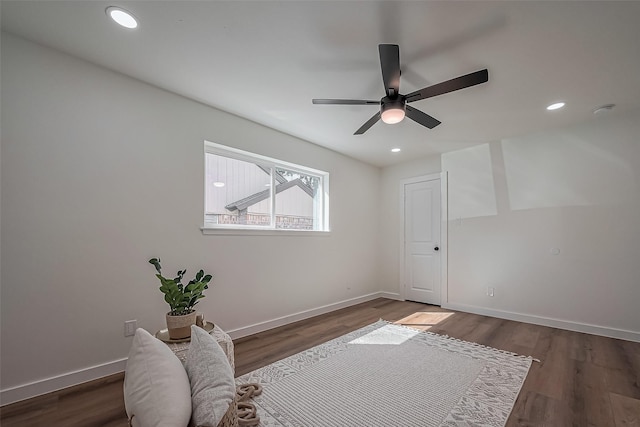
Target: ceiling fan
point(393, 107)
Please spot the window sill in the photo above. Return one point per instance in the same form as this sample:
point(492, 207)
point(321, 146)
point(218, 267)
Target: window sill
point(257, 232)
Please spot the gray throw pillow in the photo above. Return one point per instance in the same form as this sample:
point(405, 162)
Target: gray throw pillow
point(212, 384)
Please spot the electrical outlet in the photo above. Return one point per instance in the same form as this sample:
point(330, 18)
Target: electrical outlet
point(130, 327)
point(490, 291)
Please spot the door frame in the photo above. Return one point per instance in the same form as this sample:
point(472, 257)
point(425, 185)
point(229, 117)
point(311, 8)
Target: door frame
point(444, 243)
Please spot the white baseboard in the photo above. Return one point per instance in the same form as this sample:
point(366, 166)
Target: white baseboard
point(48, 385)
point(390, 295)
point(547, 321)
point(285, 320)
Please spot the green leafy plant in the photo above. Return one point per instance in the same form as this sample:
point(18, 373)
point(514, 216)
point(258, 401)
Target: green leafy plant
point(181, 298)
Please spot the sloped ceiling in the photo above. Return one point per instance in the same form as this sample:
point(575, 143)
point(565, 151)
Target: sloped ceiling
point(266, 60)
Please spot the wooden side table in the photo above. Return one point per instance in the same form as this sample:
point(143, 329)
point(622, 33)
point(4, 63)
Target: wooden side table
point(221, 337)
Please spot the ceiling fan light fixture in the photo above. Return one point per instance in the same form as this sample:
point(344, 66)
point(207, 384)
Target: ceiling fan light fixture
point(394, 106)
point(392, 112)
point(393, 116)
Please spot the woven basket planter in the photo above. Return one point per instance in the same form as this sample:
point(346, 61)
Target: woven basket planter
point(180, 326)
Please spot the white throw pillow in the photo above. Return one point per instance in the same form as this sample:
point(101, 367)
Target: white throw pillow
point(156, 386)
point(212, 384)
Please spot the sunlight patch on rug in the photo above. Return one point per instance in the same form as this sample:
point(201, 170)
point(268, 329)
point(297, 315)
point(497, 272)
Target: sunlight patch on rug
point(384, 336)
point(390, 375)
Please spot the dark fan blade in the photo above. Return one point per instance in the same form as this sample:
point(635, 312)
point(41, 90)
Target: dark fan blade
point(458, 83)
point(372, 121)
point(422, 118)
point(390, 64)
point(345, 102)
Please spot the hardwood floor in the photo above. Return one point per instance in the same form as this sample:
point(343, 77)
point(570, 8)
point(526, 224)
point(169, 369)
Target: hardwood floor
point(582, 380)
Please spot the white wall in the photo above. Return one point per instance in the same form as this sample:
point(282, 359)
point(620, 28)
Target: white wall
point(391, 221)
point(511, 202)
point(575, 189)
point(101, 172)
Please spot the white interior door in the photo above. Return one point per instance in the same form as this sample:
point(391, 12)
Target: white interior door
point(422, 241)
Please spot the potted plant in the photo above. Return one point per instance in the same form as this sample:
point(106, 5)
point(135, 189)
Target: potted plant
point(181, 298)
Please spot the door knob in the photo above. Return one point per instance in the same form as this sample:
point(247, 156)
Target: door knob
point(436, 248)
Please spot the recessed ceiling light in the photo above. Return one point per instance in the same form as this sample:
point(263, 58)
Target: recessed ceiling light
point(122, 17)
point(218, 184)
point(555, 106)
point(395, 150)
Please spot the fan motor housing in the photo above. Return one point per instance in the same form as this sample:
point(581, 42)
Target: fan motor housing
point(387, 103)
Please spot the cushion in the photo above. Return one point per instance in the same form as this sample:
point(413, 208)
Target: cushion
point(156, 386)
point(212, 384)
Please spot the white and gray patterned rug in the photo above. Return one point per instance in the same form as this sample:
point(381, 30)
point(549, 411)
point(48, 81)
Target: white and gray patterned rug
point(386, 375)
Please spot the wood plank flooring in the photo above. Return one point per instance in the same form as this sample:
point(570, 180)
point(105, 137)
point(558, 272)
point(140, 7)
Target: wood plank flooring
point(582, 381)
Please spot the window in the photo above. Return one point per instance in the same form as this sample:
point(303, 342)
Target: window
point(249, 191)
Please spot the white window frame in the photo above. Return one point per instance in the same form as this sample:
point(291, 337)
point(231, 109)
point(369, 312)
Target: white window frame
point(268, 162)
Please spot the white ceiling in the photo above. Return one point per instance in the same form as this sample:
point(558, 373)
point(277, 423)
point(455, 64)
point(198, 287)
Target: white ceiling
point(266, 60)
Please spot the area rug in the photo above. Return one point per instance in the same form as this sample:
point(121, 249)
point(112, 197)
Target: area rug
point(387, 375)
